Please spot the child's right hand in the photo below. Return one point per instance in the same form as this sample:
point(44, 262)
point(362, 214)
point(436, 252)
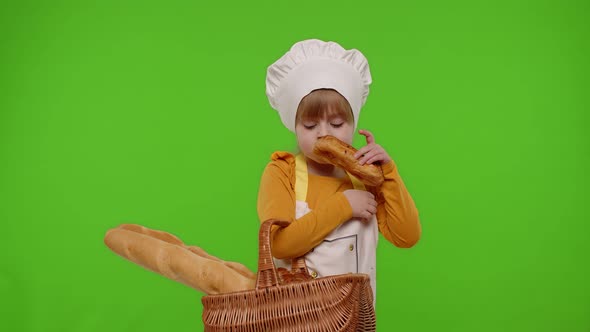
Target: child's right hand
point(363, 203)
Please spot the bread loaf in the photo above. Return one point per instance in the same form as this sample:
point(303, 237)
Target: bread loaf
point(336, 152)
point(167, 255)
point(164, 236)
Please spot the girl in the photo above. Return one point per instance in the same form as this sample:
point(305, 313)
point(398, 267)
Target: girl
point(318, 89)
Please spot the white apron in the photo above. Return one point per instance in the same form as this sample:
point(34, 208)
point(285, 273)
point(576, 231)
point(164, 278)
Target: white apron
point(350, 248)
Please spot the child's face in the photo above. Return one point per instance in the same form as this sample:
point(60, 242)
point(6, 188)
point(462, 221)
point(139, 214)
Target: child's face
point(309, 131)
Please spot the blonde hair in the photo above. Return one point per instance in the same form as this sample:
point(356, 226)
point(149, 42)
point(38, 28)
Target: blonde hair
point(323, 104)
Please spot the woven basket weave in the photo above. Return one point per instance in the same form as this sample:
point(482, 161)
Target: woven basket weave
point(334, 303)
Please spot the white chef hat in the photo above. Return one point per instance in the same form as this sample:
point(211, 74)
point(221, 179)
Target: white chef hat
point(315, 64)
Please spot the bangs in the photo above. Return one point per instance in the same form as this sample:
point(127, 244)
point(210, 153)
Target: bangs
point(324, 104)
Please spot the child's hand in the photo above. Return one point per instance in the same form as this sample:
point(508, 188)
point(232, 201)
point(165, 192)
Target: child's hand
point(363, 203)
point(371, 152)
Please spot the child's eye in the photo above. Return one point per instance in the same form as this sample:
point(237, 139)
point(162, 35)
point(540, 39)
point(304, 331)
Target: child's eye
point(309, 126)
point(337, 125)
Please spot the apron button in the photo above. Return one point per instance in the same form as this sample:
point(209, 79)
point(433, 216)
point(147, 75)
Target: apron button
point(314, 274)
point(350, 247)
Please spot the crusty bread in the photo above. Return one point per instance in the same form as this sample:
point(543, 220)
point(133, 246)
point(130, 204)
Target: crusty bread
point(288, 276)
point(167, 255)
point(160, 235)
point(338, 153)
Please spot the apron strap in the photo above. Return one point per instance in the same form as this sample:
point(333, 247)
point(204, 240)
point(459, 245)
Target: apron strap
point(301, 179)
point(356, 183)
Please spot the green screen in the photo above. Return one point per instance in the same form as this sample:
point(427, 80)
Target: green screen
point(155, 113)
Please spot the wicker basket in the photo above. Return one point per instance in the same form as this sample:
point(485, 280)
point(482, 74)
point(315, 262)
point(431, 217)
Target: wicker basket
point(334, 303)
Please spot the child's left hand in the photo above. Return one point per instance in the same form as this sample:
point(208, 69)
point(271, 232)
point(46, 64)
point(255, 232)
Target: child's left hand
point(372, 152)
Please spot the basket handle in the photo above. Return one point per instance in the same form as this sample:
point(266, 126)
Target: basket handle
point(267, 272)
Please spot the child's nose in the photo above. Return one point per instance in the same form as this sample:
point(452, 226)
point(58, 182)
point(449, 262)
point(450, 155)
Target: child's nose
point(323, 130)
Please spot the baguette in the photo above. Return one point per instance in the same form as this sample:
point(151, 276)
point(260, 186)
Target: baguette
point(165, 254)
point(333, 151)
point(164, 236)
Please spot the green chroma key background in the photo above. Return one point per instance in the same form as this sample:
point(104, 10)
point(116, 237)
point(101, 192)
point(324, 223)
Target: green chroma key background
point(155, 113)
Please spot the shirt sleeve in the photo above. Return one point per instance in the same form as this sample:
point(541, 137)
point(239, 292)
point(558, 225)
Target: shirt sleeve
point(397, 214)
point(276, 200)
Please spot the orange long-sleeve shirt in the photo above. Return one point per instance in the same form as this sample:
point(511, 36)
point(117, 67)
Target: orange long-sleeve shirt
point(397, 215)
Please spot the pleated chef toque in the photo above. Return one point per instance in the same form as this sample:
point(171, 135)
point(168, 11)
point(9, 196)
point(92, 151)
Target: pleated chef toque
point(315, 64)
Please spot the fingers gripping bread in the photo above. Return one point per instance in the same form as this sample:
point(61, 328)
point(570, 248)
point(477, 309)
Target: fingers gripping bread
point(338, 153)
point(167, 255)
